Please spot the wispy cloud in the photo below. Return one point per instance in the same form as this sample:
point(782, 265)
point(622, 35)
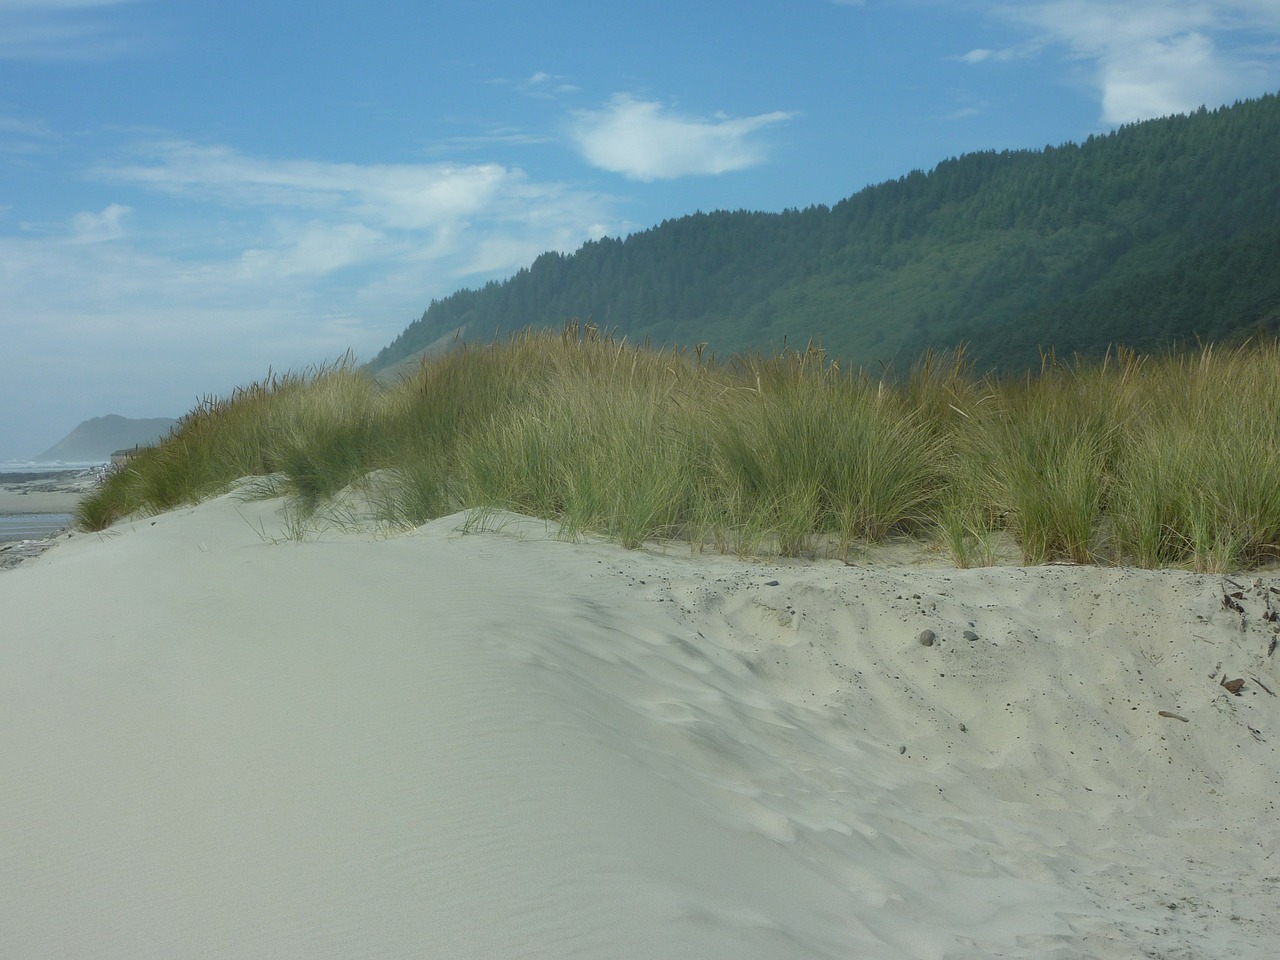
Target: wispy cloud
point(56, 5)
point(204, 259)
point(496, 136)
point(643, 140)
point(546, 86)
point(21, 137)
point(983, 54)
point(62, 30)
point(540, 85)
point(403, 196)
point(404, 211)
point(1155, 57)
point(23, 127)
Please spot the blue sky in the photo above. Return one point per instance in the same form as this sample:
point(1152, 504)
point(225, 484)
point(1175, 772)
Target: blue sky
point(191, 193)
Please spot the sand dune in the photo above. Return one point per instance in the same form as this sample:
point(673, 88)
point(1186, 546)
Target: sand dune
point(503, 745)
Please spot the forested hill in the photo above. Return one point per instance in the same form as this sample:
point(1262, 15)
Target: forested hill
point(1163, 231)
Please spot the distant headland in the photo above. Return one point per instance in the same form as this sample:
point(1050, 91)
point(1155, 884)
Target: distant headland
point(97, 439)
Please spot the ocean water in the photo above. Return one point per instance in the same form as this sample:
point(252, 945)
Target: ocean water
point(32, 526)
point(9, 467)
point(36, 526)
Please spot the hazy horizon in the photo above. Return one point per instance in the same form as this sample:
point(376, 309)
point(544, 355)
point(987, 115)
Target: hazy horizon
point(195, 195)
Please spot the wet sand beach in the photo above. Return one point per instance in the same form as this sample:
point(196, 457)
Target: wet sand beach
point(36, 508)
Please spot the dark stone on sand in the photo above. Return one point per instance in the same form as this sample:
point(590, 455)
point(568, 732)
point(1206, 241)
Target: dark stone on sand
point(926, 638)
point(970, 636)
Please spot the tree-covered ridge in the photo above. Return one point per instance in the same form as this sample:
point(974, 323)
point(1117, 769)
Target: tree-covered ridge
point(1160, 232)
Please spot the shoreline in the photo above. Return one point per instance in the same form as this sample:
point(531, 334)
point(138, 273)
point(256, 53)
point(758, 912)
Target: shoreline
point(17, 551)
point(33, 493)
point(36, 511)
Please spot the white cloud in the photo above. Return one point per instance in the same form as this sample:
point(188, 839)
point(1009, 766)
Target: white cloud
point(313, 249)
point(222, 264)
point(100, 227)
point(643, 141)
point(1163, 77)
point(306, 218)
point(1156, 57)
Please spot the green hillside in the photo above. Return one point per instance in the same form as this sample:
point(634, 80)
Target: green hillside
point(1162, 232)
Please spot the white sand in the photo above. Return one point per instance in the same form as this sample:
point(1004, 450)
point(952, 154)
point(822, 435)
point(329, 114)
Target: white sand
point(500, 745)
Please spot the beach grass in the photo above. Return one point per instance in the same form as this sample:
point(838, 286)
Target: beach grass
point(1170, 460)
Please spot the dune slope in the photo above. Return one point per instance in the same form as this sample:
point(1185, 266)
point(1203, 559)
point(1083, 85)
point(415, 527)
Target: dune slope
point(504, 745)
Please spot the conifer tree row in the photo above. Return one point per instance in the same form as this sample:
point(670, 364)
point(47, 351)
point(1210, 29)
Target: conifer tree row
point(1161, 232)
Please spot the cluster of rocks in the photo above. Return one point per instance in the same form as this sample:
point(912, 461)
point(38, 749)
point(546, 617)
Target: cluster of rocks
point(928, 638)
point(13, 553)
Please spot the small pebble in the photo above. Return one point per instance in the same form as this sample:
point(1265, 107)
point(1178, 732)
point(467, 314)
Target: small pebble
point(970, 635)
point(902, 750)
point(926, 638)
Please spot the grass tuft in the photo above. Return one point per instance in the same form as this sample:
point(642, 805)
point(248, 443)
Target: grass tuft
point(1156, 461)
